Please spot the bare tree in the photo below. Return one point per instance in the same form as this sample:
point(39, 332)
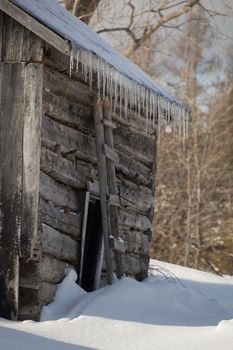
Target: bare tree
point(83, 9)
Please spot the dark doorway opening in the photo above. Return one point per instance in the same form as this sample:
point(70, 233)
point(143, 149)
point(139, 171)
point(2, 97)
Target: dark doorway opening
point(92, 246)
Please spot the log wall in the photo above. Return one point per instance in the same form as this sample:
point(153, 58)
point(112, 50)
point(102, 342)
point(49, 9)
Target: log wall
point(58, 172)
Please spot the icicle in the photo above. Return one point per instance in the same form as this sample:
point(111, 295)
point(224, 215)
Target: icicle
point(120, 85)
point(130, 95)
point(90, 75)
point(71, 59)
point(77, 60)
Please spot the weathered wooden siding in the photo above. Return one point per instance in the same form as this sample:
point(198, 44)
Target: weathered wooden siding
point(69, 162)
point(56, 159)
point(21, 112)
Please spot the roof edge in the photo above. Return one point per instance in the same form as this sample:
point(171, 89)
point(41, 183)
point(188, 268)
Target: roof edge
point(36, 27)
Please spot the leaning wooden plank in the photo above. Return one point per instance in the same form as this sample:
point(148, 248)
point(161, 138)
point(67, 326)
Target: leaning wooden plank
point(31, 156)
point(112, 187)
point(59, 245)
point(36, 27)
point(84, 228)
point(102, 173)
point(11, 97)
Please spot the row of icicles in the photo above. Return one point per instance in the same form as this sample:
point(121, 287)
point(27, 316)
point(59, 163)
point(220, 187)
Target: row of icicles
point(125, 94)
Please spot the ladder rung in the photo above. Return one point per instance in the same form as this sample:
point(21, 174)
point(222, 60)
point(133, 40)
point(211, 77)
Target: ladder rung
point(111, 154)
point(109, 124)
point(117, 244)
point(114, 200)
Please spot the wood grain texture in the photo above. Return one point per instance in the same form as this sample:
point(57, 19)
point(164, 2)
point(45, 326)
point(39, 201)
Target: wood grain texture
point(18, 43)
point(11, 150)
point(61, 195)
point(112, 189)
point(32, 114)
point(102, 174)
point(59, 245)
point(61, 219)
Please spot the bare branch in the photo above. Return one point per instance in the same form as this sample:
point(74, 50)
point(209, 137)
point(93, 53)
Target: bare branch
point(162, 21)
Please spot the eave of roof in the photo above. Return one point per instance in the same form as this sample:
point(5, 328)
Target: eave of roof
point(54, 24)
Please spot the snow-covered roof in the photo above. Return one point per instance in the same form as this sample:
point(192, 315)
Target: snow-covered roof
point(96, 54)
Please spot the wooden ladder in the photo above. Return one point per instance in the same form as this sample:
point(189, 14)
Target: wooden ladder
point(109, 197)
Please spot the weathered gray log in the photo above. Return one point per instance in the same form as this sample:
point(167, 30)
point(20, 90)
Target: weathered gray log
point(66, 171)
point(62, 85)
point(59, 194)
point(133, 220)
point(135, 196)
point(47, 269)
point(112, 187)
point(102, 173)
point(133, 169)
point(66, 139)
point(47, 292)
point(61, 219)
point(136, 266)
point(69, 140)
point(31, 155)
point(68, 112)
point(60, 62)
point(136, 144)
point(52, 270)
point(59, 245)
point(135, 242)
point(11, 97)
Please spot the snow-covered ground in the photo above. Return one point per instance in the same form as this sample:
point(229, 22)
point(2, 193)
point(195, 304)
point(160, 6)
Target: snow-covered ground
point(176, 308)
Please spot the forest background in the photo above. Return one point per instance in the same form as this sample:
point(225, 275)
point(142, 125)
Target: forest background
point(186, 46)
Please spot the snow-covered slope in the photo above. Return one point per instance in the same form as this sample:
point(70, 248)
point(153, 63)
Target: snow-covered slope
point(176, 308)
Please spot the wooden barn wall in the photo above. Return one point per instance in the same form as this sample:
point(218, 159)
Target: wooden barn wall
point(21, 68)
point(68, 163)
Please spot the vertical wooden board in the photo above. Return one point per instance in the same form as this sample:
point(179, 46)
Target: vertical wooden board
point(12, 40)
point(11, 183)
point(32, 50)
point(32, 114)
point(1, 31)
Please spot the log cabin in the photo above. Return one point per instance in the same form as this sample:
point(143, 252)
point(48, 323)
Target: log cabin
point(78, 130)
